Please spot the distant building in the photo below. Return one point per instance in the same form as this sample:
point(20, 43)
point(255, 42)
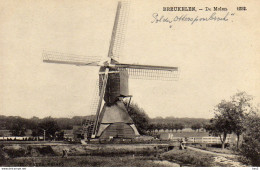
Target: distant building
point(78, 133)
point(68, 135)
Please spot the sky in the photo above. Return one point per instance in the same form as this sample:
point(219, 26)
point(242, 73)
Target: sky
point(215, 59)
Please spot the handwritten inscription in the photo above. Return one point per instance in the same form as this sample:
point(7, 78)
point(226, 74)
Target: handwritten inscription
point(157, 18)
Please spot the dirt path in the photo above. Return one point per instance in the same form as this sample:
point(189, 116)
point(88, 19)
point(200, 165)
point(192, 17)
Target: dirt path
point(221, 159)
point(213, 153)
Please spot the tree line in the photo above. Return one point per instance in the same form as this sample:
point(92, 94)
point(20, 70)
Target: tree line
point(51, 127)
point(54, 126)
point(146, 124)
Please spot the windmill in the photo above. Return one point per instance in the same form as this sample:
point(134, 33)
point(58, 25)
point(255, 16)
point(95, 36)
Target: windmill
point(112, 118)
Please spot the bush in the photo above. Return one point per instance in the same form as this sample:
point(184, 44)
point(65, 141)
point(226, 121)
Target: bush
point(3, 157)
point(13, 153)
point(46, 150)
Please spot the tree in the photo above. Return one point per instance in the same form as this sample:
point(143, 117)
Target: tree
point(207, 127)
point(176, 126)
point(196, 126)
point(165, 127)
point(140, 118)
point(241, 107)
point(230, 116)
point(158, 126)
point(66, 123)
point(50, 126)
point(151, 127)
point(171, 126)
point(221, 124)
point(204, 125)
point(18, 126)
point(250, 147)
point(181, 126)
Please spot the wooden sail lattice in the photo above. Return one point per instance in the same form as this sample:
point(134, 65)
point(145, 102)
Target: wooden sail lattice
point(63, 58)
point(95, 99)
point(165, 75)
point(119, 30)
point(89, 125)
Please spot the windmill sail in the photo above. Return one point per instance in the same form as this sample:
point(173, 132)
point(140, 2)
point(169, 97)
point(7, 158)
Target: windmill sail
point(101, 96)
point(62, 58)
point(119, 29)
point(95, 99)
point(149, 72)
point(89, 125)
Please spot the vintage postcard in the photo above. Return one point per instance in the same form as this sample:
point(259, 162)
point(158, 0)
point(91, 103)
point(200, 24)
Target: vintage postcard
point(134, 83)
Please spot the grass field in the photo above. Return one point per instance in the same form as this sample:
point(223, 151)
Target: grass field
point(110, 155)
point(83, 161)
point(79, 155)
point(189, 158)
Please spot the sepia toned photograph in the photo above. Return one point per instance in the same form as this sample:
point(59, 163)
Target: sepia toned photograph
point(129, 83)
